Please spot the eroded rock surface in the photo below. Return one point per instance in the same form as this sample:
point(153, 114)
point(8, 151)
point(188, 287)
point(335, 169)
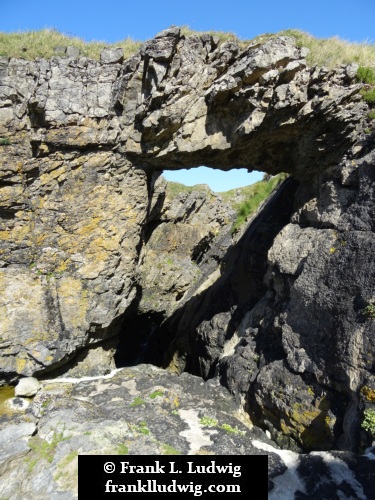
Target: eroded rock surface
point(144, 410)
point(178, 236)
point(135, 411)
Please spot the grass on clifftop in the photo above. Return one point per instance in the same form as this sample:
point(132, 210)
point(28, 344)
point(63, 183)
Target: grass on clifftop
point(175, 188)
point(33, 44)
point(332, 52)
point(328, 52)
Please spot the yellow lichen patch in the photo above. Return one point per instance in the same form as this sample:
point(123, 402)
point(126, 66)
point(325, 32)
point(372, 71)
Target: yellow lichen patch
point(43, 148)
point(131, 213)
point(66, 242)
point(303, 416)
point(20, 364)
point(40, 239)
point(74, 136)
point(175, 363)
point(49, 166)
point(88, 228)
point(61, 388)
point(95, 263)
point(5, 235)
point(62, 266)
point(48, 177)
point(312, 426)
point(110, 244)
point(37, 337)
point(97, 160)
point(285, 428)
point(74, 302)
point(368, 393)
point(9, 194)
point(20, 232)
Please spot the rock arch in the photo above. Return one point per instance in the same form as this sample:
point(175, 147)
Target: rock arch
point(86, 143)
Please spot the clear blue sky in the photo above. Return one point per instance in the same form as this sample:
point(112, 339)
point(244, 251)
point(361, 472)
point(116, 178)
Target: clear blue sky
point(114, 20)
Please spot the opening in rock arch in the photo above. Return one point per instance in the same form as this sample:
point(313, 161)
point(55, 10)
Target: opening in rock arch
point(191, 235)
point(218, 180)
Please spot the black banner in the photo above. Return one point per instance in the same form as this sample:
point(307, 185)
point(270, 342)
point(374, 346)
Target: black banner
point(106, 476)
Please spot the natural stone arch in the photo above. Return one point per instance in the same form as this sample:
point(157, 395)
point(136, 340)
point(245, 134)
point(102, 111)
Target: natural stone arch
point(87, 141)
point(261, 108)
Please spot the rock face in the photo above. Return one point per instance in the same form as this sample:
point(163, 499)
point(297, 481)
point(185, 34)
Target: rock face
point(144, 410)
point(293, 339)
point(178, 236)
point(286, 318)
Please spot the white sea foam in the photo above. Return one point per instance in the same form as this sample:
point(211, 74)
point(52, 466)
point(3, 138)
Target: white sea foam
point(287, 484)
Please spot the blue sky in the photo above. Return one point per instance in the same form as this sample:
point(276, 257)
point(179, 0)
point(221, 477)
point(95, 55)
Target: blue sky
point(114, 20)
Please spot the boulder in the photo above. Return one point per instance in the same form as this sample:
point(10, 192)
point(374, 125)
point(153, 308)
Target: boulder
point(27, 387)
point(112, 56)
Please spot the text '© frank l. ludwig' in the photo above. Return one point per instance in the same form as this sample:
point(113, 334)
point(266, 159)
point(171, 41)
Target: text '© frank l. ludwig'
point(172, 468)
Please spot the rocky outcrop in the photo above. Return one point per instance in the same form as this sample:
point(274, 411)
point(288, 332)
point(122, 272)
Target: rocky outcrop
point(285, 318)
point(141, 410)
point(178, 235)
point(144, 410)
point(296, 349)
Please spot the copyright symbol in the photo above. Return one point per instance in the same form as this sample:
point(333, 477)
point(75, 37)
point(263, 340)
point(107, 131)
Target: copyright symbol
point(109, 467)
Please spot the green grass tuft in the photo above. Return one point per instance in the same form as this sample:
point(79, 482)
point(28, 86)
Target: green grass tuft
point(155, 394)
point(369, 421)
point(232, 430)
point(138, 401)
point(44, 450)
point(365, 75)
point(208, 422)
point(332, 52)
point(369, 95)
point(34, 44)
point(221, 35)
point(122, 449)
point(176, 188)
point(169, 450)
point(369, 311)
